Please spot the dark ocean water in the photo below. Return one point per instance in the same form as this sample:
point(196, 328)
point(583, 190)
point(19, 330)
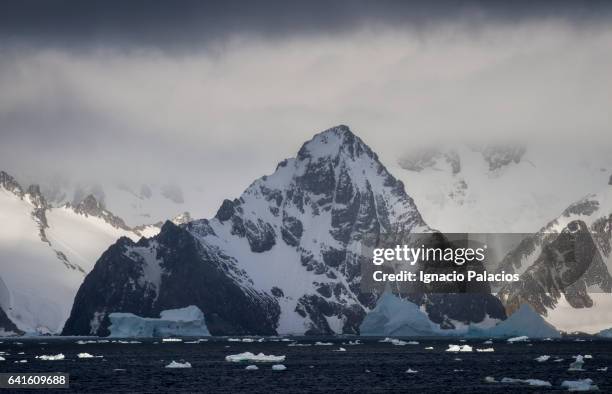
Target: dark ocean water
point(140, 367)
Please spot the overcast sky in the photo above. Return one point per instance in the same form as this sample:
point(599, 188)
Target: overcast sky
point(217, 93)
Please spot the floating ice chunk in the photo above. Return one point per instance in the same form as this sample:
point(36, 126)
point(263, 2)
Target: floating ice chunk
point(340, 349)
point(21, 362)
point(603, 369)
point(489, 342)
point(578, 364)
point(543, 358)
point(323, 343)
point(459, 348)
point(172, 340)
point(486, 350)
point(55, 357)
point(587, 356)
point(175, 364)
point(248, 356)
point(197, 341)
point(299, 344)
point(457, 358)
point(234, 340)
point(522, 338)
point(558, 360)
point(579, 385)
point(490, 379)
point(353, 343)
point(429, 348)
point(278, 367)
point(398, 342)
point(531, 382)
point(251, 367)
point(87, 355)
point(409, 370)
point(2, 358)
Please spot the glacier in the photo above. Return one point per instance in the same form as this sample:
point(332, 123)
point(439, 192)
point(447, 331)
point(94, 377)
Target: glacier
point(188, 321)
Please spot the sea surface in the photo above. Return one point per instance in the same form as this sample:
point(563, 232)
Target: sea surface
point(369, 367)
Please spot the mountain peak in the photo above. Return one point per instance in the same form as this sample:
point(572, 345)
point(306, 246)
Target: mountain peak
point(333, 142)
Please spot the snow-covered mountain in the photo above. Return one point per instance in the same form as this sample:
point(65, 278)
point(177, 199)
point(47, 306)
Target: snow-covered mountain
point(137, 205)
point(500, 188)
point(566, 267)
point(283, 258)
point(45, 253)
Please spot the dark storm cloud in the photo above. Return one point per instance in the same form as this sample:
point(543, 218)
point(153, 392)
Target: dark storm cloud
point(216, 93)
point(183, 23)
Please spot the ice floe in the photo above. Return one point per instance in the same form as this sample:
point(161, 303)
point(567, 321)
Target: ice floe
point(52, 357)
point(251, 367)
point(579, 385)
point(522, 338)
point(531, 382)
point(175, 364)
point(459, 348)
point(578, 364)
point(278, 367)
point(87, 355)
point(248, 356)
point(542, 358)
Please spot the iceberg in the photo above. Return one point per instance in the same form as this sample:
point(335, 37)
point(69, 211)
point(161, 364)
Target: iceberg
point(607, 333)
point(393, 316)
point(188, 321)
point(524, 322)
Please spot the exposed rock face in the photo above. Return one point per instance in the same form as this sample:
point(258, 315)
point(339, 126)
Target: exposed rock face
point(10, 184)
point(90, 206)
point(499, 156)
point(285, 257)
point(567, 260)
point(7, 327)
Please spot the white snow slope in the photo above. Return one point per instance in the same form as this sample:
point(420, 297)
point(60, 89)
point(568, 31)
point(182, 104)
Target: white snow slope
point(40, 274)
